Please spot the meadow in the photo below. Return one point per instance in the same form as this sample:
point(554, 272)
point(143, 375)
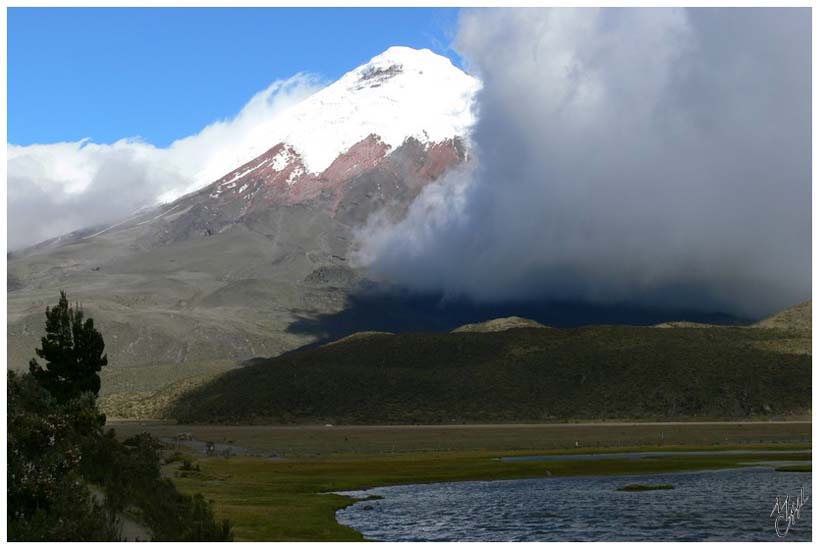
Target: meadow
point(288, 498)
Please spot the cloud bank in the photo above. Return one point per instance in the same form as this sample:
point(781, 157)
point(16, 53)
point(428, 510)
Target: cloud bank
point(650, 156)
point(57, 188)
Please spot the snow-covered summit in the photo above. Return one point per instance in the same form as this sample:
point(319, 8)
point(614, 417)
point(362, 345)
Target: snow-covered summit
point(400, 93)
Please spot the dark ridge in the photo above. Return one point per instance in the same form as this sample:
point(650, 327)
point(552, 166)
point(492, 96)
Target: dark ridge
point(519, 375)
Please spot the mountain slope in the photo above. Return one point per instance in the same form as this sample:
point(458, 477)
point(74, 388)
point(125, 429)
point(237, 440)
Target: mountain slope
point(224, 271)
point(497, 325)
point(797, 318)
point(399, 94)
point(792, 330)
point(522, 375)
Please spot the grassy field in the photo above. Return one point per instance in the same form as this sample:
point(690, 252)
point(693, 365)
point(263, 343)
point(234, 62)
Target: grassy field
point(278, 500)
point(795, 468)
point(288, 501)
point(311, 441)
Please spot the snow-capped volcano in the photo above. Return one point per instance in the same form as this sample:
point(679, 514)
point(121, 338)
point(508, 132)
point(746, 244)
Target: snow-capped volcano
point(229, 269)
point(399, 94)
point(403, 99)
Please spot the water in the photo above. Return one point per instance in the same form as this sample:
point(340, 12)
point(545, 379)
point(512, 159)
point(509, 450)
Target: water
point(723, 505)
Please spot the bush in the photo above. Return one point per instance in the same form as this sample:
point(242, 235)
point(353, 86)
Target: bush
point(57, 449)
point(173, 516)
point(132, 477)
point(47, 497)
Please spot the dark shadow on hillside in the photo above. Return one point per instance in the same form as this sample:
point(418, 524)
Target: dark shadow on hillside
point(402, 311)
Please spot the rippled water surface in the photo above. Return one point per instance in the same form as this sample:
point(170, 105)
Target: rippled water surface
point(725, 505)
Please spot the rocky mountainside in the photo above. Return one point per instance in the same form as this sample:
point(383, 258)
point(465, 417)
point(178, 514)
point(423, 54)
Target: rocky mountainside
point(226, 270)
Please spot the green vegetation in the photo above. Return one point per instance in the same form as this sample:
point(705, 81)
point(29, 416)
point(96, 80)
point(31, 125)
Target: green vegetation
point(69, 481)
point(129, 472)
point(290, 501)
point(795, 468)
point(636, 487)
point(518, 375)
point(73, 351)
point(124, 397)
point(47, 498)
point(323, 441)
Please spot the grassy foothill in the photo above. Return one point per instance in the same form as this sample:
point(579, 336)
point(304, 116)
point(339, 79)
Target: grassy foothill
point(795, 468)
point(526, 375)
point(292, 500)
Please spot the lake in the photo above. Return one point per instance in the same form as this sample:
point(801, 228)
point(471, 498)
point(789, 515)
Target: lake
point(716, 505)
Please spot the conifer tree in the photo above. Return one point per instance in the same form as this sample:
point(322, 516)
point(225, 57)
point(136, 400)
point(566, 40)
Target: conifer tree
point(73, 351)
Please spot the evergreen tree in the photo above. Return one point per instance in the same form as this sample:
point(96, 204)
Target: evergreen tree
point(57, 453)
point(73, 351)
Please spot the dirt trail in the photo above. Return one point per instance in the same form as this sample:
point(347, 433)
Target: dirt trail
point(130, 529)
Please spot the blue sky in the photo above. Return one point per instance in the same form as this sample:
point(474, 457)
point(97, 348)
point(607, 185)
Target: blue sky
point(164, 73)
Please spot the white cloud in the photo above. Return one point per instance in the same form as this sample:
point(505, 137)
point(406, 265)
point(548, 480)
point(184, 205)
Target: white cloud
point(61, 187)
point(656, 156)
